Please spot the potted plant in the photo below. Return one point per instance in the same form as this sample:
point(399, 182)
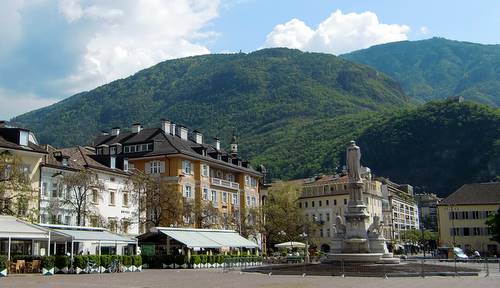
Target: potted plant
point(3, 266)
point(137, 261)
point(79, 263)
point(48, 265)
point(61, 264)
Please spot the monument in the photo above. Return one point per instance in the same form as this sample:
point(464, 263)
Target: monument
point(360, 238)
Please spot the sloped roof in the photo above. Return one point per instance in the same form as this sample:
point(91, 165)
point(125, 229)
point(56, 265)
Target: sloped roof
point(478, 193)
point(18, 229)
point(9, 138)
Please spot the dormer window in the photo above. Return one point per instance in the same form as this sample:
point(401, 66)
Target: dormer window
point(112, 150)
point(125, 165)
point(23, 138)
point(219, 157)
point(65, 161)
point(112, 162)
point(100, 151)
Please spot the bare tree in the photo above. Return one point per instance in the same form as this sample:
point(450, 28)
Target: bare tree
point(79, 188)
point(208, 215)
point(16, 192)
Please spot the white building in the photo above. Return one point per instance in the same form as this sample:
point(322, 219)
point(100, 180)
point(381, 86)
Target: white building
point(111, 203)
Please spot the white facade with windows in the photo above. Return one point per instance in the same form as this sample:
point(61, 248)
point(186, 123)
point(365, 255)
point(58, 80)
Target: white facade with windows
point(114, 206)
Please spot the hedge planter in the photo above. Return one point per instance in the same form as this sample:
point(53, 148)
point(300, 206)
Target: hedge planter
point(3, 273)
point(64, 270)
point(48, 271)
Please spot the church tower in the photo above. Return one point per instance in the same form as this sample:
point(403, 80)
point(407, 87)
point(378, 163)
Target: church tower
point(234, 146)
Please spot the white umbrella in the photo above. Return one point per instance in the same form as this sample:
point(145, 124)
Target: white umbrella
point(291, 244)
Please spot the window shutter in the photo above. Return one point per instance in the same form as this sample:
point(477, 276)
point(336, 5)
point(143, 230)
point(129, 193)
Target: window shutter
point(162, 167)
point(147, 168)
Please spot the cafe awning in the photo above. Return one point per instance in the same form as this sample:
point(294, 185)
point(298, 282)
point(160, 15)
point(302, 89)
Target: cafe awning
point(206, 238)
point(11, 227)
point(84, 234)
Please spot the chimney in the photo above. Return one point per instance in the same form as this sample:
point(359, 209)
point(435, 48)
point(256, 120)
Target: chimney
point(165, 126)
point(115, 131)
point(172, 131)
point(184, 132)
point(217, 144)
point(136, 127)
point(198, 137)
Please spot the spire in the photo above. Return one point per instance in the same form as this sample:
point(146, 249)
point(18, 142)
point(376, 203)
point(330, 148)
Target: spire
point(234, 146)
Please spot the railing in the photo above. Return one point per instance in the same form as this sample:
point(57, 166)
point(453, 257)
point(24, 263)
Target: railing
point(225, 183)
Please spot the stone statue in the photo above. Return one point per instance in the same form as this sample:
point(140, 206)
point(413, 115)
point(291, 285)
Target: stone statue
point(375, 228)
point(340, 226)
point(354, 163)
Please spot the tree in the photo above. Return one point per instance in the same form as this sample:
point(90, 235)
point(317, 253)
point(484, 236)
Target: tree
point(209, 215)
point(80, 187)
point(282, 214)
point(493, 223)
point(16, 192)
point(147, 198)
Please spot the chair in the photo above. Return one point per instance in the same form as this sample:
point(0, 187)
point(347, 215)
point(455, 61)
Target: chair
point(35, 266)
point(20, 266)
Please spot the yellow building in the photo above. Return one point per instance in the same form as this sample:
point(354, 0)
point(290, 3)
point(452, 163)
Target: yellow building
point(19, 144)
point(323, 198)
point(204, 174)
point(462, 216)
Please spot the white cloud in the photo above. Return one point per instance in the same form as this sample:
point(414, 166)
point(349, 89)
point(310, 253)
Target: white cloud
point(339, 33)
point(424, 30)
point(136, 35)
point(15, 103)
point(10, 25)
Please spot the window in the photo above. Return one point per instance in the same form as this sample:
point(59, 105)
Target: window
point(247, 180)
point(312, 204)
point(187, 167)
point(95, 197)
point(345, 201)
point(126, 149)
point(94, 221)
point(300, 204)
point(334, 202)
point(235, 199)
point(320, 203)
point(125, 226)
point(112, 162)
point(43, 218)
point(111, 198)
point(224, 197)
point(187, 191)
point(253, 182)
point(327, 217)
point(155, 167)
point(327, 202)
point(230, 177)
point(205, 170)
point(214, 196)
point(67, 220)
point(125, 199)
point(55, 189)
point(306, 204)
point(44, 189)
point(328, 232)
point(254, 201)
point(205, 194)
point(321, 232)
point(59, 219)
point(23, 138)
point(112, 150)
point(248, 200)
point(125, 165)
point(112, 224)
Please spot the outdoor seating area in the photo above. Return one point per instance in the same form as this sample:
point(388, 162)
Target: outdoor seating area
point(24, 266)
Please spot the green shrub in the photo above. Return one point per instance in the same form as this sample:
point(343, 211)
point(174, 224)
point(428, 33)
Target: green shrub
point(48, 262)
point(61, 261)
point(137, 260)
point(220, 259)
point(211, 259)
point(3, 262)
point(203, 259)
point(80, 261)
point(181, 259)
point(195, 259)
point(127, 260)
point(105, 261)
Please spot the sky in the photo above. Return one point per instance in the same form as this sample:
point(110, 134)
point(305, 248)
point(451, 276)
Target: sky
point(50, 50)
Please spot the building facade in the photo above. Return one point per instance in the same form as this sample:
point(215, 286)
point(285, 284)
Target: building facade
point(401, 211)
point(109, 200)
point(427, 209)
point(20, 159)
point(462, 216)
point(204, 174)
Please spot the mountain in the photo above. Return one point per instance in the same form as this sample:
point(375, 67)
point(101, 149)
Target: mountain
point(437, 147)
point(292, 111)
point(438, 68)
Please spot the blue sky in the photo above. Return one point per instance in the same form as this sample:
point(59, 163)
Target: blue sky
point(52, 49)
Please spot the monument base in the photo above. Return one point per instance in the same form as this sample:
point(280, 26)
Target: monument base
point(367, 258)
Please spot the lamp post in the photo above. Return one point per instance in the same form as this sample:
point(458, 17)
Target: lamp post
point(306, 256)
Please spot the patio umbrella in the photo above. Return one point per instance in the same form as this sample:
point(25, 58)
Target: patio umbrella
point(291, 244)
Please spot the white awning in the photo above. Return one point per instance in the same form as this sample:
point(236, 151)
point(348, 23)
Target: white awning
point(206, 238)
point(102, 236)
point(18, 229)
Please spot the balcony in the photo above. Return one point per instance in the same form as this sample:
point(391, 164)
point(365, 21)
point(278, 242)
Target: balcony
point(224, 183)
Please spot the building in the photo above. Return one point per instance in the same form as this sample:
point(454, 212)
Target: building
point(462, 216)
point(19, 188)
point(204, 174)
point(323, 198)
point(401, 211)
point(108, 201)
point(427, 210)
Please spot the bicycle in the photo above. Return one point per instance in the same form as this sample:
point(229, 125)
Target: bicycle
point(91, 266)
point(114, 267)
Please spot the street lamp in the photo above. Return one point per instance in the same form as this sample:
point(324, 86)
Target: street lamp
point(306, 256)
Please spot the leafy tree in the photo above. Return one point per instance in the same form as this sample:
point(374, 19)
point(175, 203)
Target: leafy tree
point(16, 192)
point(493, 223)
point(283, 219)
point(79, 188)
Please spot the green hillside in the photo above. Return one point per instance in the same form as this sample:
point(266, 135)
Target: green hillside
point(438, 68)
point(438, 147)
point(290, 109)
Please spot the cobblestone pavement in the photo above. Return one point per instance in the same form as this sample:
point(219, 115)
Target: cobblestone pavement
point(208, 278)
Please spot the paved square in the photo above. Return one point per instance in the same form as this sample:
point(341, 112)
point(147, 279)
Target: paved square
point(207, 278)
